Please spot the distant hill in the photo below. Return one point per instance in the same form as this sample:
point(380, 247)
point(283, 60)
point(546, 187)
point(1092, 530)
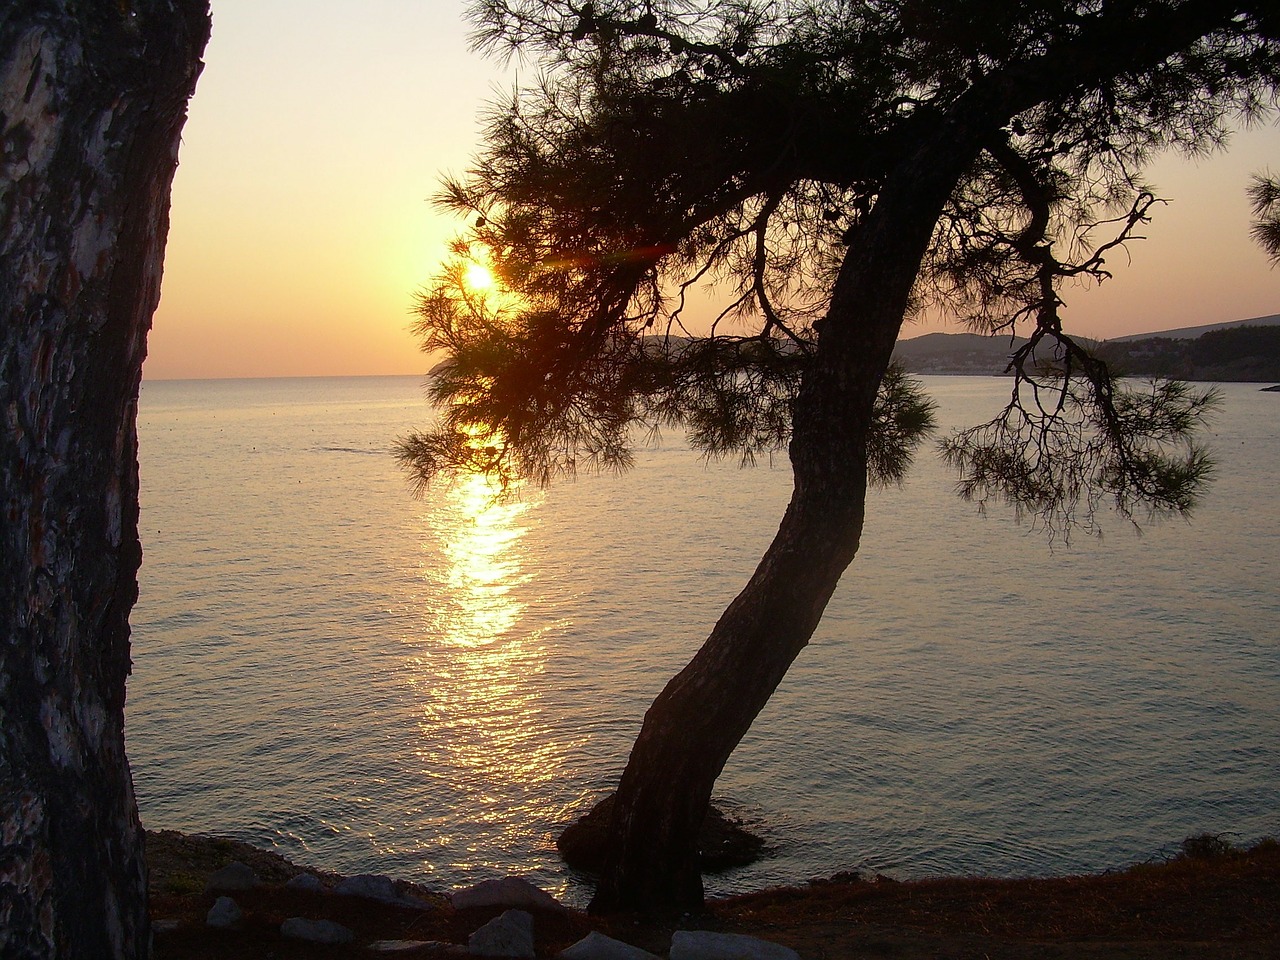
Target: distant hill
point(1247, 354)
point(963, 353)
point(1244, 350)
point(1190, 333)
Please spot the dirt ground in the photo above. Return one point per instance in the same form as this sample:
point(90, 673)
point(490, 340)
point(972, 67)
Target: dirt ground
point(1215, 903)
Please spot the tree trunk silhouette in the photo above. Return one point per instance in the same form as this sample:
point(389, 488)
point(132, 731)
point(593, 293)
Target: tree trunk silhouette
point(703, 713)
point(92, 100)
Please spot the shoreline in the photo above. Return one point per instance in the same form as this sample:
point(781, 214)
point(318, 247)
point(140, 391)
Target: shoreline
point(1212, 900)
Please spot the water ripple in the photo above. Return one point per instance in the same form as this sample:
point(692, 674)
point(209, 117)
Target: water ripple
point(433, 688)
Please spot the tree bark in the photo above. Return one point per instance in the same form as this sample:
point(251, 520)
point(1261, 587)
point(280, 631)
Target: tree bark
point(92, 100)
point(703, 713)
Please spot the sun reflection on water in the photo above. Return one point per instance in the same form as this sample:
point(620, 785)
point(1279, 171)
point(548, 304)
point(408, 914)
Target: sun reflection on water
point(483, 736)
point(483, 565)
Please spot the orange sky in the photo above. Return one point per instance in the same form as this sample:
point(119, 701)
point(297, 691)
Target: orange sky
point(300, 227)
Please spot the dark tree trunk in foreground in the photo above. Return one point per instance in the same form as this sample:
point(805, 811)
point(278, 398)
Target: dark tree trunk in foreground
point(702, 714)
point(92, 100)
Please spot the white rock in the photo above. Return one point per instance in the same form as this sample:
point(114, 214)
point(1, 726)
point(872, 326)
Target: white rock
point(234, 876)
point(316, 931)
point(596, 946)
point(505, 892)
point(225, 912)
point(704, 945)
point(510, 935)
point(305, 881)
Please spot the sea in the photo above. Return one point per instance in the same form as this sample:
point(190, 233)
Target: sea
point(433, 687)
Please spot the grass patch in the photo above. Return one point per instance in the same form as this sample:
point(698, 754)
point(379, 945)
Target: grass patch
point(181, 884)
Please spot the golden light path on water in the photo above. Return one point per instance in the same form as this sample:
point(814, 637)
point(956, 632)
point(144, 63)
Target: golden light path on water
point(482, 726)
point(434, 688)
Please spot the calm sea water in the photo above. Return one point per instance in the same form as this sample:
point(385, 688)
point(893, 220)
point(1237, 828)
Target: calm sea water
point(432, 688)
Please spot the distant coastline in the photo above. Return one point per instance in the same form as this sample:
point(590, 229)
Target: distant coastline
point(1246, 351)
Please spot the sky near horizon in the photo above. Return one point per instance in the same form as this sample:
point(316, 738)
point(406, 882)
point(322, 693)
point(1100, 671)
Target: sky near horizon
point(301, 224)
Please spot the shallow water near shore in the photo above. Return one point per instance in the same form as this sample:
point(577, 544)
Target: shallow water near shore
point(432, 688)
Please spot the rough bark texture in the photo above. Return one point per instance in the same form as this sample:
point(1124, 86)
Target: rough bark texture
point(92, 100)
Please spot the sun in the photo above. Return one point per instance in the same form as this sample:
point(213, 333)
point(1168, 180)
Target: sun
point(478, 277)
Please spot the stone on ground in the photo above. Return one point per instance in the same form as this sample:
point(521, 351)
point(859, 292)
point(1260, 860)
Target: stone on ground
point(225, 912)
point(510, 935)
point(371, 886)
point(596, 946)
point(505, 892)
point(315, 931)
point(305, 881)
point(704, 945)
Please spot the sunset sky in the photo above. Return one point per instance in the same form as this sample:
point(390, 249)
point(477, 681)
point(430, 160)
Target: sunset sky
point(301, 227)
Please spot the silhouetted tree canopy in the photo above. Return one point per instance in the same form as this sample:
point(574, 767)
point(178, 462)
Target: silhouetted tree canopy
point(668, 145)
point(829, 169)
point(1264, 194)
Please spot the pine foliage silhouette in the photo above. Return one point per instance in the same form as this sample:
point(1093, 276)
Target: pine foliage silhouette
point(831, 169)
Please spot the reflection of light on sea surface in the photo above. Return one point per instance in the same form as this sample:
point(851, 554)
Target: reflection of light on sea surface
point(308, 619)
point(482, 730)
point(483, 564)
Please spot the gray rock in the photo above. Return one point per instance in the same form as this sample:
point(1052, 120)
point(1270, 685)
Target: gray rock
point(596, 946)
point(305, 881)
point(371, 886)
point(234, 876)
point(161, 927)
point(316, 931)
point(510, 935)
point(225, 912)
point(505, 892)
point(704, 945)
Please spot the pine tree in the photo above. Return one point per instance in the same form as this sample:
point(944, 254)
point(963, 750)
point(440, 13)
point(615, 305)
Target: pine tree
point(835, 167)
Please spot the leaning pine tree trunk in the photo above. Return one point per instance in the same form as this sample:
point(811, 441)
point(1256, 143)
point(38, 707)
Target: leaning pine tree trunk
point(700, 717)
point(92, 99)
point(703, 713)
point(652, 864)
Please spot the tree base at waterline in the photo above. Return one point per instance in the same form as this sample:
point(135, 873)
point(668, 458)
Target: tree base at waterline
point(723, 843)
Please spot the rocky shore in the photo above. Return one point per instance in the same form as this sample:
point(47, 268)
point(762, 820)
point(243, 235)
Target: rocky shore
point(219, 899)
